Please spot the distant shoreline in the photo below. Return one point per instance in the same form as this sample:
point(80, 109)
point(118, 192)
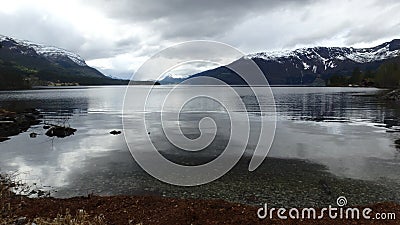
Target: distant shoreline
point(172, 85)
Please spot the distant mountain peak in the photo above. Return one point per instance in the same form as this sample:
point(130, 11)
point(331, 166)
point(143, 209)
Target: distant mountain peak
point(394, 45)
point(50, 52)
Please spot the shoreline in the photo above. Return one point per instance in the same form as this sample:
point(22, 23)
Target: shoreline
point(179, 208)
point(148, 209)
point(153, 210)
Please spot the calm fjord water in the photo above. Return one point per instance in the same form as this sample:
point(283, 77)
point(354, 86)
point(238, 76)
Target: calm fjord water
point(334, 130)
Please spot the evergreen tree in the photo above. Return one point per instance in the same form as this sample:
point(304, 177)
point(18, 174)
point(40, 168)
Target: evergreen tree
point(388, 74)
point(356, 76)
point(338, 80)
point(369, 74)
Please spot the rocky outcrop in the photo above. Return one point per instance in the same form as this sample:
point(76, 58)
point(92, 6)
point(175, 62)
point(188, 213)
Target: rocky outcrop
point(60, 131)
point(13, 123)
point(393, 95)
point(115, 132)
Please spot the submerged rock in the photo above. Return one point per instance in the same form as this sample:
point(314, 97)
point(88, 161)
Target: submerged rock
point(13, 123)
point(4, 139)
point(397, 144)
point(60, 131)
point(115, 132)
point(33, 135)
point(325, 187)
point(21, 221)
point(393, 95)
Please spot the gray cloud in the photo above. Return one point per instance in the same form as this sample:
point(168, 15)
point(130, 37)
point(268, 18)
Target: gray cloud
point(35, 25)
point(117, 36)
point(382, 24)
point(156, 9)
point(177, 19)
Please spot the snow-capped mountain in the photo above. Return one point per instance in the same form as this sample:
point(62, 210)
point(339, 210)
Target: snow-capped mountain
point(330, 57)
point(329, 54)
point(302, 66)
point(50, 52)
point(24, 64)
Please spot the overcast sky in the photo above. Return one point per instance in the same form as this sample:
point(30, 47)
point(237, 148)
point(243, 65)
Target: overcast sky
point(117, 36)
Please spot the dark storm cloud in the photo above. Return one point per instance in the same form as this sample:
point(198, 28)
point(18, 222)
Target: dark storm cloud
point(157, 9)
point(328, 23)
point(112, 46)
point(33, 22)
point(268, 24)
point(191, 19)
point(118, 35)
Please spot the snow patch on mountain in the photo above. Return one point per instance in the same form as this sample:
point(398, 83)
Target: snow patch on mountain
point(331, 64)
point(3, 38)
point(369, 55)
point(314, 69)
point(306, 66)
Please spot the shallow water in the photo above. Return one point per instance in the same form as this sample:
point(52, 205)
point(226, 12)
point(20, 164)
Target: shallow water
point(336, 130)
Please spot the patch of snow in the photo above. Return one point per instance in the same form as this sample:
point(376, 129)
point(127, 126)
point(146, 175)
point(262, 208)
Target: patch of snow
point(314, 69)
point(369, 55)
point(274, 55)
point(306, 66)
point(49, 51)
point(3, 38)
point(331, 64)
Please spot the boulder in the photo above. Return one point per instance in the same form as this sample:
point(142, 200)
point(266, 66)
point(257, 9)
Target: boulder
point(60, 131)
point(115, 132)
point(393, 95)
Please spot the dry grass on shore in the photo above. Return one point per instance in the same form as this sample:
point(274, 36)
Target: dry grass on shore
point(97, 210)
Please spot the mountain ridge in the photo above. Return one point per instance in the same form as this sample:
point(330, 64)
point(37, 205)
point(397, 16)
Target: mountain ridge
point(24, 64)
point(47, 51)
point(303, 66)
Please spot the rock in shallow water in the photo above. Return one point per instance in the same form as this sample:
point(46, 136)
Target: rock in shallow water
point(60, 132)
point(392, 95)
point(115, 132)
point(13, 123)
